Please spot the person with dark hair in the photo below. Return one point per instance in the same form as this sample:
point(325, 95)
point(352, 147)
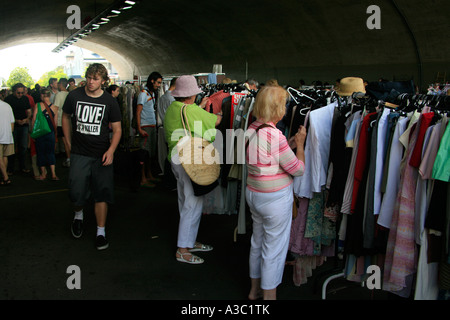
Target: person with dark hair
point(89, 111)
point(36, 93)
point(27, 93)
point(113, 90)
point(166, 99)
point(301, 83)
point(72, 85)
point(61, 144)
point(146, 123)
point(45, 145)
point(53, 87)
point(31, 145)
point(163, 104)
point(318, 84)
point(3, 94)
point(22, 113)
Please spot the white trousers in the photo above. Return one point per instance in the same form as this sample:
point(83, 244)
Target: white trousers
point(272, 218)
point(189, 205)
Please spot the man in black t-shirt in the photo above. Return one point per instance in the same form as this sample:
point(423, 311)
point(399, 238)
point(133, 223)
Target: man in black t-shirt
point(22, 113)
point(89, 111)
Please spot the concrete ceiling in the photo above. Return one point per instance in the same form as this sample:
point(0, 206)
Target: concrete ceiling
point(286, 39)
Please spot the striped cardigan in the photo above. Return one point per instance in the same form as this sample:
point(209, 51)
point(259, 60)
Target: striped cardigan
point(271, 162)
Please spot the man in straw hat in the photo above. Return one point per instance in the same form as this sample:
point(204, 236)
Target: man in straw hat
point(189, 205)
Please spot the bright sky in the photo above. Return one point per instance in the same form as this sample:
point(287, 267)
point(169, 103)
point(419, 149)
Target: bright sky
point(37, 57)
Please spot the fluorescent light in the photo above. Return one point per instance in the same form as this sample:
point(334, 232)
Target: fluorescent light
point(110, 12)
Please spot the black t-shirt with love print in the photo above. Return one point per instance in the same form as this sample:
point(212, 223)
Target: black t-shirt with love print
point(90, 121)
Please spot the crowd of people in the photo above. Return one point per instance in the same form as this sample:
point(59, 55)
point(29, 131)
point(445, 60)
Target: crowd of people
point(86, 124)
point(25, 105)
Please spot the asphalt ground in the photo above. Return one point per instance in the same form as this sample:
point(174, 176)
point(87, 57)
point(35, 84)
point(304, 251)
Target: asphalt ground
point(37, 251)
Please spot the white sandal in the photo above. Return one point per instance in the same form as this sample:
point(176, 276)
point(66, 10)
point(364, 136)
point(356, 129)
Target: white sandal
point(201, 247)
point(193, 260)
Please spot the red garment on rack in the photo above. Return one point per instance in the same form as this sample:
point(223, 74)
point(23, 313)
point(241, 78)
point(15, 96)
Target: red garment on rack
point(361, 158)
point(416, 157)
point(215, 101)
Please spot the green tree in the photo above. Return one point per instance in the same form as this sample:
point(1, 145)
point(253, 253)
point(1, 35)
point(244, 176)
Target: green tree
point(57, 73)
point(20, 74)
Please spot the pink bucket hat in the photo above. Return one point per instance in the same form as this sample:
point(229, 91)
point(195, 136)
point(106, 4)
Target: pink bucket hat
point(186, 86)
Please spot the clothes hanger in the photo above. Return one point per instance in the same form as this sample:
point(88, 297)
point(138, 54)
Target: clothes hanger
point(292, 96)
point(301, 94)
point(302, 111)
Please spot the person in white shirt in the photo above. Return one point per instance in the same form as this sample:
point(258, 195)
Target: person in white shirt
point(6, 139)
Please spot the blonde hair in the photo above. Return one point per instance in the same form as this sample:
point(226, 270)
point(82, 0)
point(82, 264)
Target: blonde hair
point(270, 103)
point(272, 82)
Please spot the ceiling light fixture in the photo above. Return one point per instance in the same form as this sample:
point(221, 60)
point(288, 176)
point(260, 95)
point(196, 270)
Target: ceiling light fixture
point(103, 18)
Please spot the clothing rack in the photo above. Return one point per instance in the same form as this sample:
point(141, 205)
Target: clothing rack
point(409, 102)
point(361, 101)
point(404, 103)
point(314, 99)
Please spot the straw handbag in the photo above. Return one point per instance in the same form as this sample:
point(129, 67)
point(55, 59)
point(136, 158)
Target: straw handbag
point(199, 158)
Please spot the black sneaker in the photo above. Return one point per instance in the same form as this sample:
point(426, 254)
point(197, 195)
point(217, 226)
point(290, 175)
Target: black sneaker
point(101, 243)
point(77, 228)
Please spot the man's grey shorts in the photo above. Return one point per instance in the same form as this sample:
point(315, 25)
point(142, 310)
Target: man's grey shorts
point(88, 177)
point(149, 143)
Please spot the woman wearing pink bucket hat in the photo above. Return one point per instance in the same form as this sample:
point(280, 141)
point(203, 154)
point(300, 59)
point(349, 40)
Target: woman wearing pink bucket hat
point(190, 206)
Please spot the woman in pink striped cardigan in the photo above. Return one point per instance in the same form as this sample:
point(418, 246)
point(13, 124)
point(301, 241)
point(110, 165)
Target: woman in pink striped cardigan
point(271, 163)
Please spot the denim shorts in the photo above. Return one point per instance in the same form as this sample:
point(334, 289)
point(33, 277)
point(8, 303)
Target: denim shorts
point(88, 177)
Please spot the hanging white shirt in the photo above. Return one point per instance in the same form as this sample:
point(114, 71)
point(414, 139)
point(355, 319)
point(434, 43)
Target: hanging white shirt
point(381, 147)
point(393, 178)
point(317, 152)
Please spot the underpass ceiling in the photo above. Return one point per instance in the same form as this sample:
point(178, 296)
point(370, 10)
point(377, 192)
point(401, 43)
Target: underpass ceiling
point(249, 38)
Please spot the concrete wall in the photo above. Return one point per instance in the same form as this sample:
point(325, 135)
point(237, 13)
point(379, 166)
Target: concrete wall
point(287, 39)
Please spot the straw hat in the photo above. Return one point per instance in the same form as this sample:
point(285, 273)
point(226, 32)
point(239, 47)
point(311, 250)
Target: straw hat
point(186, 86)
point(349, 85)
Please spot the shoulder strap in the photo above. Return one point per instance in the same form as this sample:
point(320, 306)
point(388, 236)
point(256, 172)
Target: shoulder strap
point(183, 115)
point(50, 114)
point(264, 125)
